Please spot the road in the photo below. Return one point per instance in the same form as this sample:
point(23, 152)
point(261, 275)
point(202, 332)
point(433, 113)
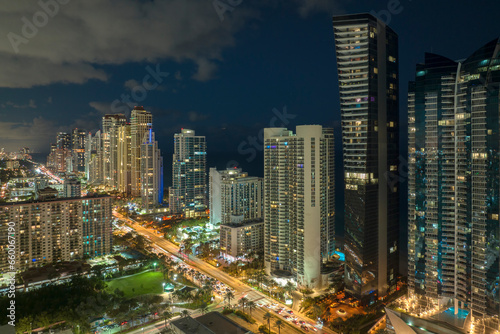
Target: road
point(241, 289)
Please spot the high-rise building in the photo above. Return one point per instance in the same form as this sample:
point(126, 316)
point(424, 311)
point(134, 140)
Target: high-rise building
point(94, 159)
point(188, 193)
point(55, 230)
point(110, 127)
point(151, 173)
point(233, 192)
point(72, 188)
point(367, 62)
point(78, 145)
point(124, 159)
point(64, 141)
point(141, 121)
point(60, 159)
point(299, 215)
point(453, 184)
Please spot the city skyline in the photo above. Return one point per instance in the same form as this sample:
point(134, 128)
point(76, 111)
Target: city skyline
point(180, 111)
point(326, 166)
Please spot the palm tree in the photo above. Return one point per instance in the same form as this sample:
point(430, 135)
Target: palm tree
point(207, 289)
point(268, 317)
point(317, 311)
point(243, 303)
point(289, 287)
point(251, 306)
point(185, 313)
point(280, 325)
point(229, 296)
point(167, 315)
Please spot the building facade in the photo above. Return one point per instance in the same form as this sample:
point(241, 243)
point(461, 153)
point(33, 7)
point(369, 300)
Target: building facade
point(241, 238)
point(367, 62)
point(72, 188)
point(141, 121)
point(55, 230)
point(233, 192)
point(124, 159)
point(188, 193)
point(151, 173)
point(453, 189)
point(78, 146)
point(64, 141)
point(110, 130)
point(94, 166)
point(299, 215)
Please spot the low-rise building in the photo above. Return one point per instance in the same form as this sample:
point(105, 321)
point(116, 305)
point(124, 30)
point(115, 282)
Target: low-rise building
point(210, 323)
point(241, 237)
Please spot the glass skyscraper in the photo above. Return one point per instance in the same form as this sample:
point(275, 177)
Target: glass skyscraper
point(453, 199)
point(367, 63)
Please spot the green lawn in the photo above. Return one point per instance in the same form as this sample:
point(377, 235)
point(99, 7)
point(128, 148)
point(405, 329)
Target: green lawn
point(140, 284)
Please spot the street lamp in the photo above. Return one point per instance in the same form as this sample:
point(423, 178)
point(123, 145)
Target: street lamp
point(154, 264)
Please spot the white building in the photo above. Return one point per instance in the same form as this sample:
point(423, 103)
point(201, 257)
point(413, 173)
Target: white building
point(233, 192)
point(239, 238)
point(188, 193)
point(94, 159)
point(124, 167)
point(299, 203)
point(110, 128)
point(141, 121)
point(54, 230)
point(151, 173)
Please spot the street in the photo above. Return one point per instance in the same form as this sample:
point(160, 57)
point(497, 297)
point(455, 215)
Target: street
point(241, 289)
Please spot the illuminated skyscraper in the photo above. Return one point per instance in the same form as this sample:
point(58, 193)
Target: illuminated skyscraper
point(124, 159)
point(299, 211)
point(233, 192)
point(188, 193)
point(64, 140)
point(151, 173)
point(78, 145)
point(367, 62)
point(94, 159)
point(141, 121)
point(110, 126)
point(453, 184)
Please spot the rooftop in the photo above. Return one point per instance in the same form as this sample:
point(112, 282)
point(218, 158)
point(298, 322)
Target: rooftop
point(189, 325)
point(220, 324)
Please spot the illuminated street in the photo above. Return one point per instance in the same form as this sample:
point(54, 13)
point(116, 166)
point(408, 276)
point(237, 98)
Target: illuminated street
point(241, 290)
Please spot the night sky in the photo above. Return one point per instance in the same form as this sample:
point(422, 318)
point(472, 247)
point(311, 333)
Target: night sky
point(225, 77)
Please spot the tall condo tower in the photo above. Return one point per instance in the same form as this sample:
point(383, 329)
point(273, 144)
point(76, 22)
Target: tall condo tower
point(124, 159)
point(141, 121)
point(110, 125)
point(299, 211)
point(188, 193)
point(453, 185)
point(151, 173)
point(367, 62)
point(78, 145)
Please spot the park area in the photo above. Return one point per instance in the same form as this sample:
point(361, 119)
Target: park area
point(149, 282)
